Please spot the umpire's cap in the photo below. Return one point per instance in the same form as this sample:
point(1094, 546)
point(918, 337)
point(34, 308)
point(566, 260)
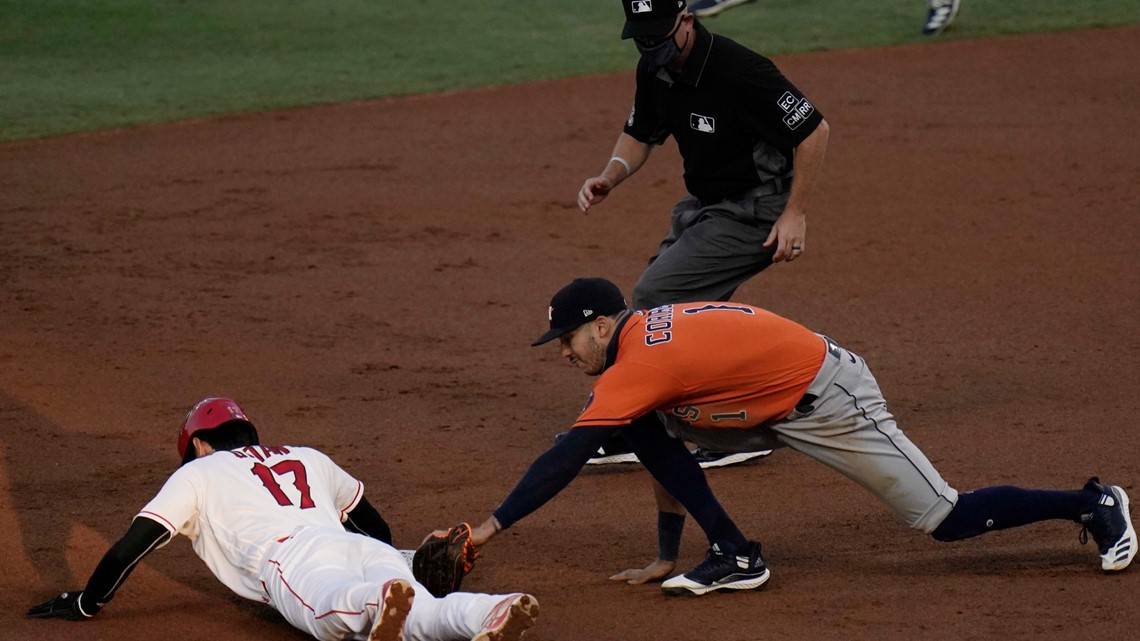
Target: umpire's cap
point(650, 18)
point(578, 303)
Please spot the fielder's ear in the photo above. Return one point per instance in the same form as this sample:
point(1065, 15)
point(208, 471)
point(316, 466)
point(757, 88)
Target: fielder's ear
point(603, 326)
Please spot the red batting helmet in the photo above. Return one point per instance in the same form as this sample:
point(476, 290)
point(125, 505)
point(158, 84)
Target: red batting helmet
point(207, 414)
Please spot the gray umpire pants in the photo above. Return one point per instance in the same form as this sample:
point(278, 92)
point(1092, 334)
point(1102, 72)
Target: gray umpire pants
point(843, 422)
point(711, 249)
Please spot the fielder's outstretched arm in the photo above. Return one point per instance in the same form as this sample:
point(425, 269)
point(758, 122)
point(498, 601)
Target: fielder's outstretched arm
point(547, 476)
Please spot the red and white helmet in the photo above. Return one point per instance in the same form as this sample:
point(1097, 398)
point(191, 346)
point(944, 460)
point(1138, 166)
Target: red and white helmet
point(207, 414)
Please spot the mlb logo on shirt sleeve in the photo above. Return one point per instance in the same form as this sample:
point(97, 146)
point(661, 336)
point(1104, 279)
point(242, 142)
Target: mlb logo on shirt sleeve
point(706, 124)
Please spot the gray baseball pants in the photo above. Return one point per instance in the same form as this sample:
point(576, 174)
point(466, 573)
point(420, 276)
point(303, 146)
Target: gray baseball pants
point(712, 249)
point(843, 422)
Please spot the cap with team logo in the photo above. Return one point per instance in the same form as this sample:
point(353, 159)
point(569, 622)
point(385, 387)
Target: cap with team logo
point(578, 303)
point(650, 18)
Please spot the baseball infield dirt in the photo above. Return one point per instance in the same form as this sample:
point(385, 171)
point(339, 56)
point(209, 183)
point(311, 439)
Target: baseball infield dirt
point(365, 278)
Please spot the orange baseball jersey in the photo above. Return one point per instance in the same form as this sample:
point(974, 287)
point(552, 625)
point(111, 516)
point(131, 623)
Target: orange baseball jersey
point(712, 365)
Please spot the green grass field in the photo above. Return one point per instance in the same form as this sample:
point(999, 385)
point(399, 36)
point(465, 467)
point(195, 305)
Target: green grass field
point(77, 65)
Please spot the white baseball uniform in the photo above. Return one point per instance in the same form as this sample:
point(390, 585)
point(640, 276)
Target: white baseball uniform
point(267, 522)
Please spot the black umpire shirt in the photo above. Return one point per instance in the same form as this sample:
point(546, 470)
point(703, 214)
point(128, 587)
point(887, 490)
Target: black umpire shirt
point(735, 117)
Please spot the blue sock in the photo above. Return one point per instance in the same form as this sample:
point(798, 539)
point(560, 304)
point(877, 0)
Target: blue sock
point(1005, 506)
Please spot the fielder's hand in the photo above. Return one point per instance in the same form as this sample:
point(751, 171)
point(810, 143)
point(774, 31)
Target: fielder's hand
point(655, 571)
point(64, 606)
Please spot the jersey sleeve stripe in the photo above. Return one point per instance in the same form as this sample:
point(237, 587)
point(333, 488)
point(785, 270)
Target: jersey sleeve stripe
point(158, 518)
point(352, 504)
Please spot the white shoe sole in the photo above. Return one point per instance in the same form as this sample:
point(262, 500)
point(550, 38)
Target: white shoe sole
point(680, 586)
point(628, 457)
point(734, 459)
point(1121, 554)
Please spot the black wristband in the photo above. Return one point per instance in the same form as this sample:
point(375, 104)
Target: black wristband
point(669, 527)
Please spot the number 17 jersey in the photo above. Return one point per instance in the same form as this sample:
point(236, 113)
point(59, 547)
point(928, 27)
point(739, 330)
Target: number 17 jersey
point(234, 505)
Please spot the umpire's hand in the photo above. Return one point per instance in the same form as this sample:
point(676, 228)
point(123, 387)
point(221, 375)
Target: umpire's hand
point(594, 191)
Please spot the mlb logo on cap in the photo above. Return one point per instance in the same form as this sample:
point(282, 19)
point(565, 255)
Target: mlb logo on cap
point(645, 19)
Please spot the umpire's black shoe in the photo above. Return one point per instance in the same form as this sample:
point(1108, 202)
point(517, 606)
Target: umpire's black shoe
point(721, 571)
point(1110, 524)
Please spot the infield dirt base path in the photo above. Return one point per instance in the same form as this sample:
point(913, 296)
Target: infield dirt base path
point(365, 278)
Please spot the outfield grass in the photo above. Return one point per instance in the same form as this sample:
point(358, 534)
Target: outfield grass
point(75, 65)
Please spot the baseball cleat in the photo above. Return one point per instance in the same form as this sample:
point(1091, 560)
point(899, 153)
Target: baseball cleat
point(509, 619)
point(708, 458)
point(395, 603)
point(721, 571)
point(941, 13)
point(1111, 526)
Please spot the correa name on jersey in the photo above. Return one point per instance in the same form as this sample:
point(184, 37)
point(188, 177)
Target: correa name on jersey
point(659, 325)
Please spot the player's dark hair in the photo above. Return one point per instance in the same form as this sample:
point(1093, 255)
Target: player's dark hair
point(230, 435)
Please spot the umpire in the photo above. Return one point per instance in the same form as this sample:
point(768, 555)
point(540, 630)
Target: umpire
point(742, 129)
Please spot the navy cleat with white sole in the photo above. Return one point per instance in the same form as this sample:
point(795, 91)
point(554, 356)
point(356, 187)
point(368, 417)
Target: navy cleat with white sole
point(721, 571)
point(1110, 524)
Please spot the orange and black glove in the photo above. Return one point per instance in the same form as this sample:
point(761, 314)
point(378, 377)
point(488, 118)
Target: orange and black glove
point(441, 562)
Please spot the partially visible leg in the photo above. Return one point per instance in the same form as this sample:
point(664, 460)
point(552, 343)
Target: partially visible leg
point(335, 585)
point(705, 257)
point(732, 562)
point(849, 429)
point(1102, 510)
point(1004, 506)
point(675, 469)
point(469, 615)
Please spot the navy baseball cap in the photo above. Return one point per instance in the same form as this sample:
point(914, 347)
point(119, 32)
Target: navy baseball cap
point(578, 303)
point(650, 18)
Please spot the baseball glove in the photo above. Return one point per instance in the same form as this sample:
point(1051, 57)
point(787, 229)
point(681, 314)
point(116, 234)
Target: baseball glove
point(442, 561)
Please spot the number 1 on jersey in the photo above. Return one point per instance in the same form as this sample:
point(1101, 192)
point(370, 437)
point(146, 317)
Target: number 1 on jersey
point(300, 481)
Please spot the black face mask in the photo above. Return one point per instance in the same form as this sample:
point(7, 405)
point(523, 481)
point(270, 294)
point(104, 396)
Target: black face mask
point(663, 53)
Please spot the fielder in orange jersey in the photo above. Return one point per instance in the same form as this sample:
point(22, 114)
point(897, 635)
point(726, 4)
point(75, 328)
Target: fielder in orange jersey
point(736, 378)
